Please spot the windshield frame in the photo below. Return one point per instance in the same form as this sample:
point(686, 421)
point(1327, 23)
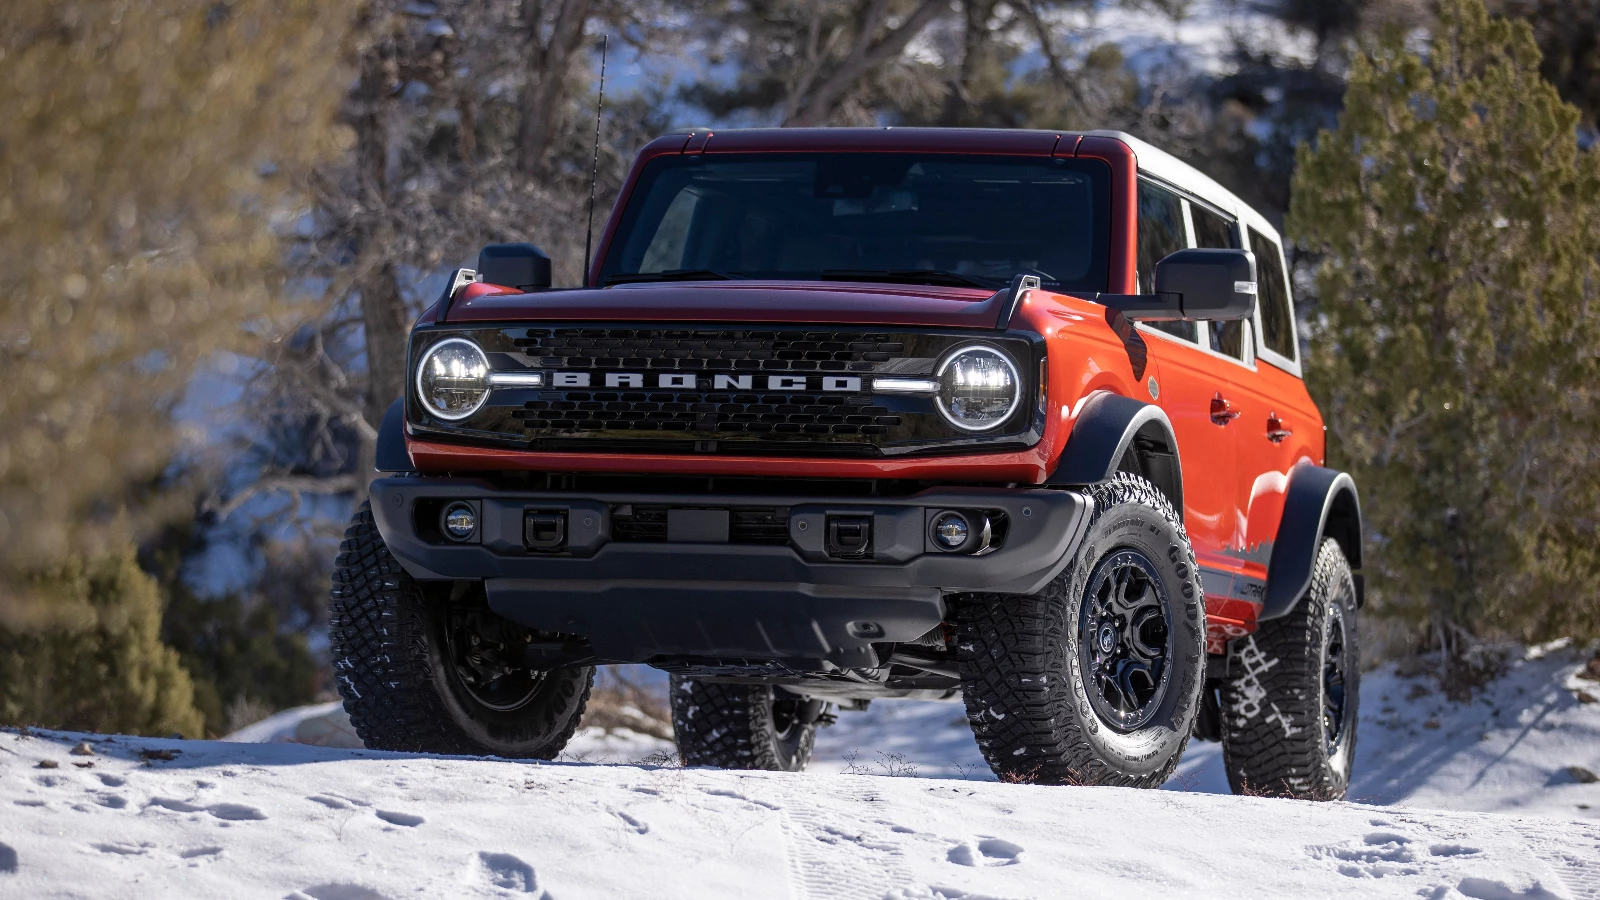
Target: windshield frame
point(631, 206)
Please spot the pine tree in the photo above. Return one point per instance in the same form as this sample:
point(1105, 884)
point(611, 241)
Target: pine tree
point(98, 663)
point(1455, 349)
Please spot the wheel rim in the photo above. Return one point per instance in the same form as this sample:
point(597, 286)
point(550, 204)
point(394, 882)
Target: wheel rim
point(481, 669)
point(785, 718)
point(1333, 681)
point(1124, 640)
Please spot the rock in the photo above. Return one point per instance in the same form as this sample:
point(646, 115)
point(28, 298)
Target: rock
point(1431, 724)
point(149, 754)
point(1582, 775)
point(1585, 697)
point(49, 764)
point(1591, 670)
point(83, 749)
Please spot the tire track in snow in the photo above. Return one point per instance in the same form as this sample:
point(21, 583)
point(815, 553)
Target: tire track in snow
point(837, 857)
point(1573, 851)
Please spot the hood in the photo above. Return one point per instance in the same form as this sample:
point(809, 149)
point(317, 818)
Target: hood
point(844, 303)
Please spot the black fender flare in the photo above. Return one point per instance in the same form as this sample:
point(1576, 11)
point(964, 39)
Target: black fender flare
point(1319, 502)
point(391, 453)
point(1108, 429)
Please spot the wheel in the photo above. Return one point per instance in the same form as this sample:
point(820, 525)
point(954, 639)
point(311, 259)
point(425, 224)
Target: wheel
point(743, 726)
point(1095, 679)
point(427, 667)
point(1289, 704)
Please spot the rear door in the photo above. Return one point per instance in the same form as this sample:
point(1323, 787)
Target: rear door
point(1268, 401)
point(1189, 381)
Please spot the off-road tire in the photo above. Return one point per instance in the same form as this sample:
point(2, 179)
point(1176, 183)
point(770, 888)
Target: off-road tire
point(1273, 739)
point(731, 726)
point(1021, 676)
point(389, 661)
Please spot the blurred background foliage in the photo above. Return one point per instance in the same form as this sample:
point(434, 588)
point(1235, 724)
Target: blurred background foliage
point(218, 218)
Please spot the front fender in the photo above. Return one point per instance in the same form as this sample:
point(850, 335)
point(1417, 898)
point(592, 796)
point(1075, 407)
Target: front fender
point(1319, 503)
point(1107, 430)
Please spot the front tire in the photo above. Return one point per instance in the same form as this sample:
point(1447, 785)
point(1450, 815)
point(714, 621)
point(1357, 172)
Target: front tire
point(1290, 704)
point(1096, 679)
point(415, 663)
point(743, 726)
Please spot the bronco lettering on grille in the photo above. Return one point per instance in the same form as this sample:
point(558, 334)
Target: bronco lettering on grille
point(836, 384)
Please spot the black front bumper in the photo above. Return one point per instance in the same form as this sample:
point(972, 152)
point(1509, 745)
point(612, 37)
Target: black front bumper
point(640, 600)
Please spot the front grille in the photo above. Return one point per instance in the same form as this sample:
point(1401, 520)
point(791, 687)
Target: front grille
point(729, 389)
point(797, 414)
point(637, 523)
point(664, 349)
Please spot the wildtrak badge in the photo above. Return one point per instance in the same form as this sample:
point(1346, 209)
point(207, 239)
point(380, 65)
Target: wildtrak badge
point(688, 381)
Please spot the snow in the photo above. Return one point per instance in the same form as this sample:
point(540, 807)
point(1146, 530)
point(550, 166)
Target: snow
point(283, 819)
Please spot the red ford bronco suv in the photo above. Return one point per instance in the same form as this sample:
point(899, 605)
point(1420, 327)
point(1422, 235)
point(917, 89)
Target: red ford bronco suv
point(848, 414)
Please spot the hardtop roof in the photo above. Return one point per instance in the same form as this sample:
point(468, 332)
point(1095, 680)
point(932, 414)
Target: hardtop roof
point(1152, 160)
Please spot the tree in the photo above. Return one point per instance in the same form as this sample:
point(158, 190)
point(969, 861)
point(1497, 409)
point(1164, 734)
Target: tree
point(98, 664)
point(1455, 350)
point(145, 148)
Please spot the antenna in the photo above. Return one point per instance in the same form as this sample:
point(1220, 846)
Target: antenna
point(594, 171)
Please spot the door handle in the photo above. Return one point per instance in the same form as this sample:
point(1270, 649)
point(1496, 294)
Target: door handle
point(1276, 431)
point(1222, 412)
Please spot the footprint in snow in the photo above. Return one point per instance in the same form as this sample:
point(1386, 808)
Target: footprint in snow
point(232, 812)
point(407, 820)
point(110, 780)
point(986, 852)
point(200, 852)
point(120, 848)
point(635, 825)
point(508, 873)
point(337, 891)
point(8, 860)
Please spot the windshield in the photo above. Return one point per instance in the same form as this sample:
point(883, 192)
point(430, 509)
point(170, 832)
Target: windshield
point(895, 217)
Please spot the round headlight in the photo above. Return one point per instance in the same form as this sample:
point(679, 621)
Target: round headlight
point(453, 379)
point(978, 388)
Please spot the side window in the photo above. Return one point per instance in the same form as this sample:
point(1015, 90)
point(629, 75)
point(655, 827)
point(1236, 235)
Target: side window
point(1161, 232)
point(1277, 319)
point(1216, 232)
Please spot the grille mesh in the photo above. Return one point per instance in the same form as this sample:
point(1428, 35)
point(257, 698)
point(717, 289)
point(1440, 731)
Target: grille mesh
point(709, 349)
point(685, 411)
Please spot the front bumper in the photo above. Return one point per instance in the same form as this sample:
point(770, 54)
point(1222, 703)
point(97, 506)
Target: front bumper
point(636, 601)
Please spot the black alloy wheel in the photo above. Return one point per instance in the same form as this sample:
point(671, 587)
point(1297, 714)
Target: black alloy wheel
point(1124, 640)
point(485, 667)
point(1334, 662)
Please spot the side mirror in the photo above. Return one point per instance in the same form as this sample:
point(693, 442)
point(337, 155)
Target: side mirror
point(1197, 283)
point(522, 266)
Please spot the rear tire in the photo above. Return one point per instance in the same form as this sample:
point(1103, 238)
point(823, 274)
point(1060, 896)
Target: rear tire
point(409, 680)
point(1290, 704)
point(1096, 679)
point(743, 726)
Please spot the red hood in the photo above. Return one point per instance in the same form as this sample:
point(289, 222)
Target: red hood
point(737, 301)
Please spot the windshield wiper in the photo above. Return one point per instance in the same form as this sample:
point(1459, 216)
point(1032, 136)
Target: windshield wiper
point(671, 275)
point(907, 276)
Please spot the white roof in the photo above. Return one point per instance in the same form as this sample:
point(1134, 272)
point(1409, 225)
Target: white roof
point(1163, 165)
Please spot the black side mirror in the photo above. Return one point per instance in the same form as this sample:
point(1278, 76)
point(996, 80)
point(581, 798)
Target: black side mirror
point(1196, 284)
point(522, 266)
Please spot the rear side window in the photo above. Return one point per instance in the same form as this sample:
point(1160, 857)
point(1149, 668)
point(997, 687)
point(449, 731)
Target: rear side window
point(1213, 231)
point(1161, 233)
point(1277, 318)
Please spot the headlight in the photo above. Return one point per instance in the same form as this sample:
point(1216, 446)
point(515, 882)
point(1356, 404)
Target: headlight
point(978, 388)
point(453, 379)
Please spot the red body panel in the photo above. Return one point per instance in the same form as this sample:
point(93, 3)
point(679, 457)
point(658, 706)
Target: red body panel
point(1234, 475)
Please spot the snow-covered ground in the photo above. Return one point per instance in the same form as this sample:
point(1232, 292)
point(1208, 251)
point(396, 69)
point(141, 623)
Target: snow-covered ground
point(293, 820)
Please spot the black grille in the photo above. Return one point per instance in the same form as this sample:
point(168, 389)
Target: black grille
point(709, 349)
point(801, 414)
point(747, 525)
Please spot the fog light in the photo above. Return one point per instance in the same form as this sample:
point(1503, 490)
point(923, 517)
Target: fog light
point(460, 521)
point(951, 530)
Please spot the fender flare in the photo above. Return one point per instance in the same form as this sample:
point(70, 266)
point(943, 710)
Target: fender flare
point(1319, 503)
point(1107, 430)
point(392, 455)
